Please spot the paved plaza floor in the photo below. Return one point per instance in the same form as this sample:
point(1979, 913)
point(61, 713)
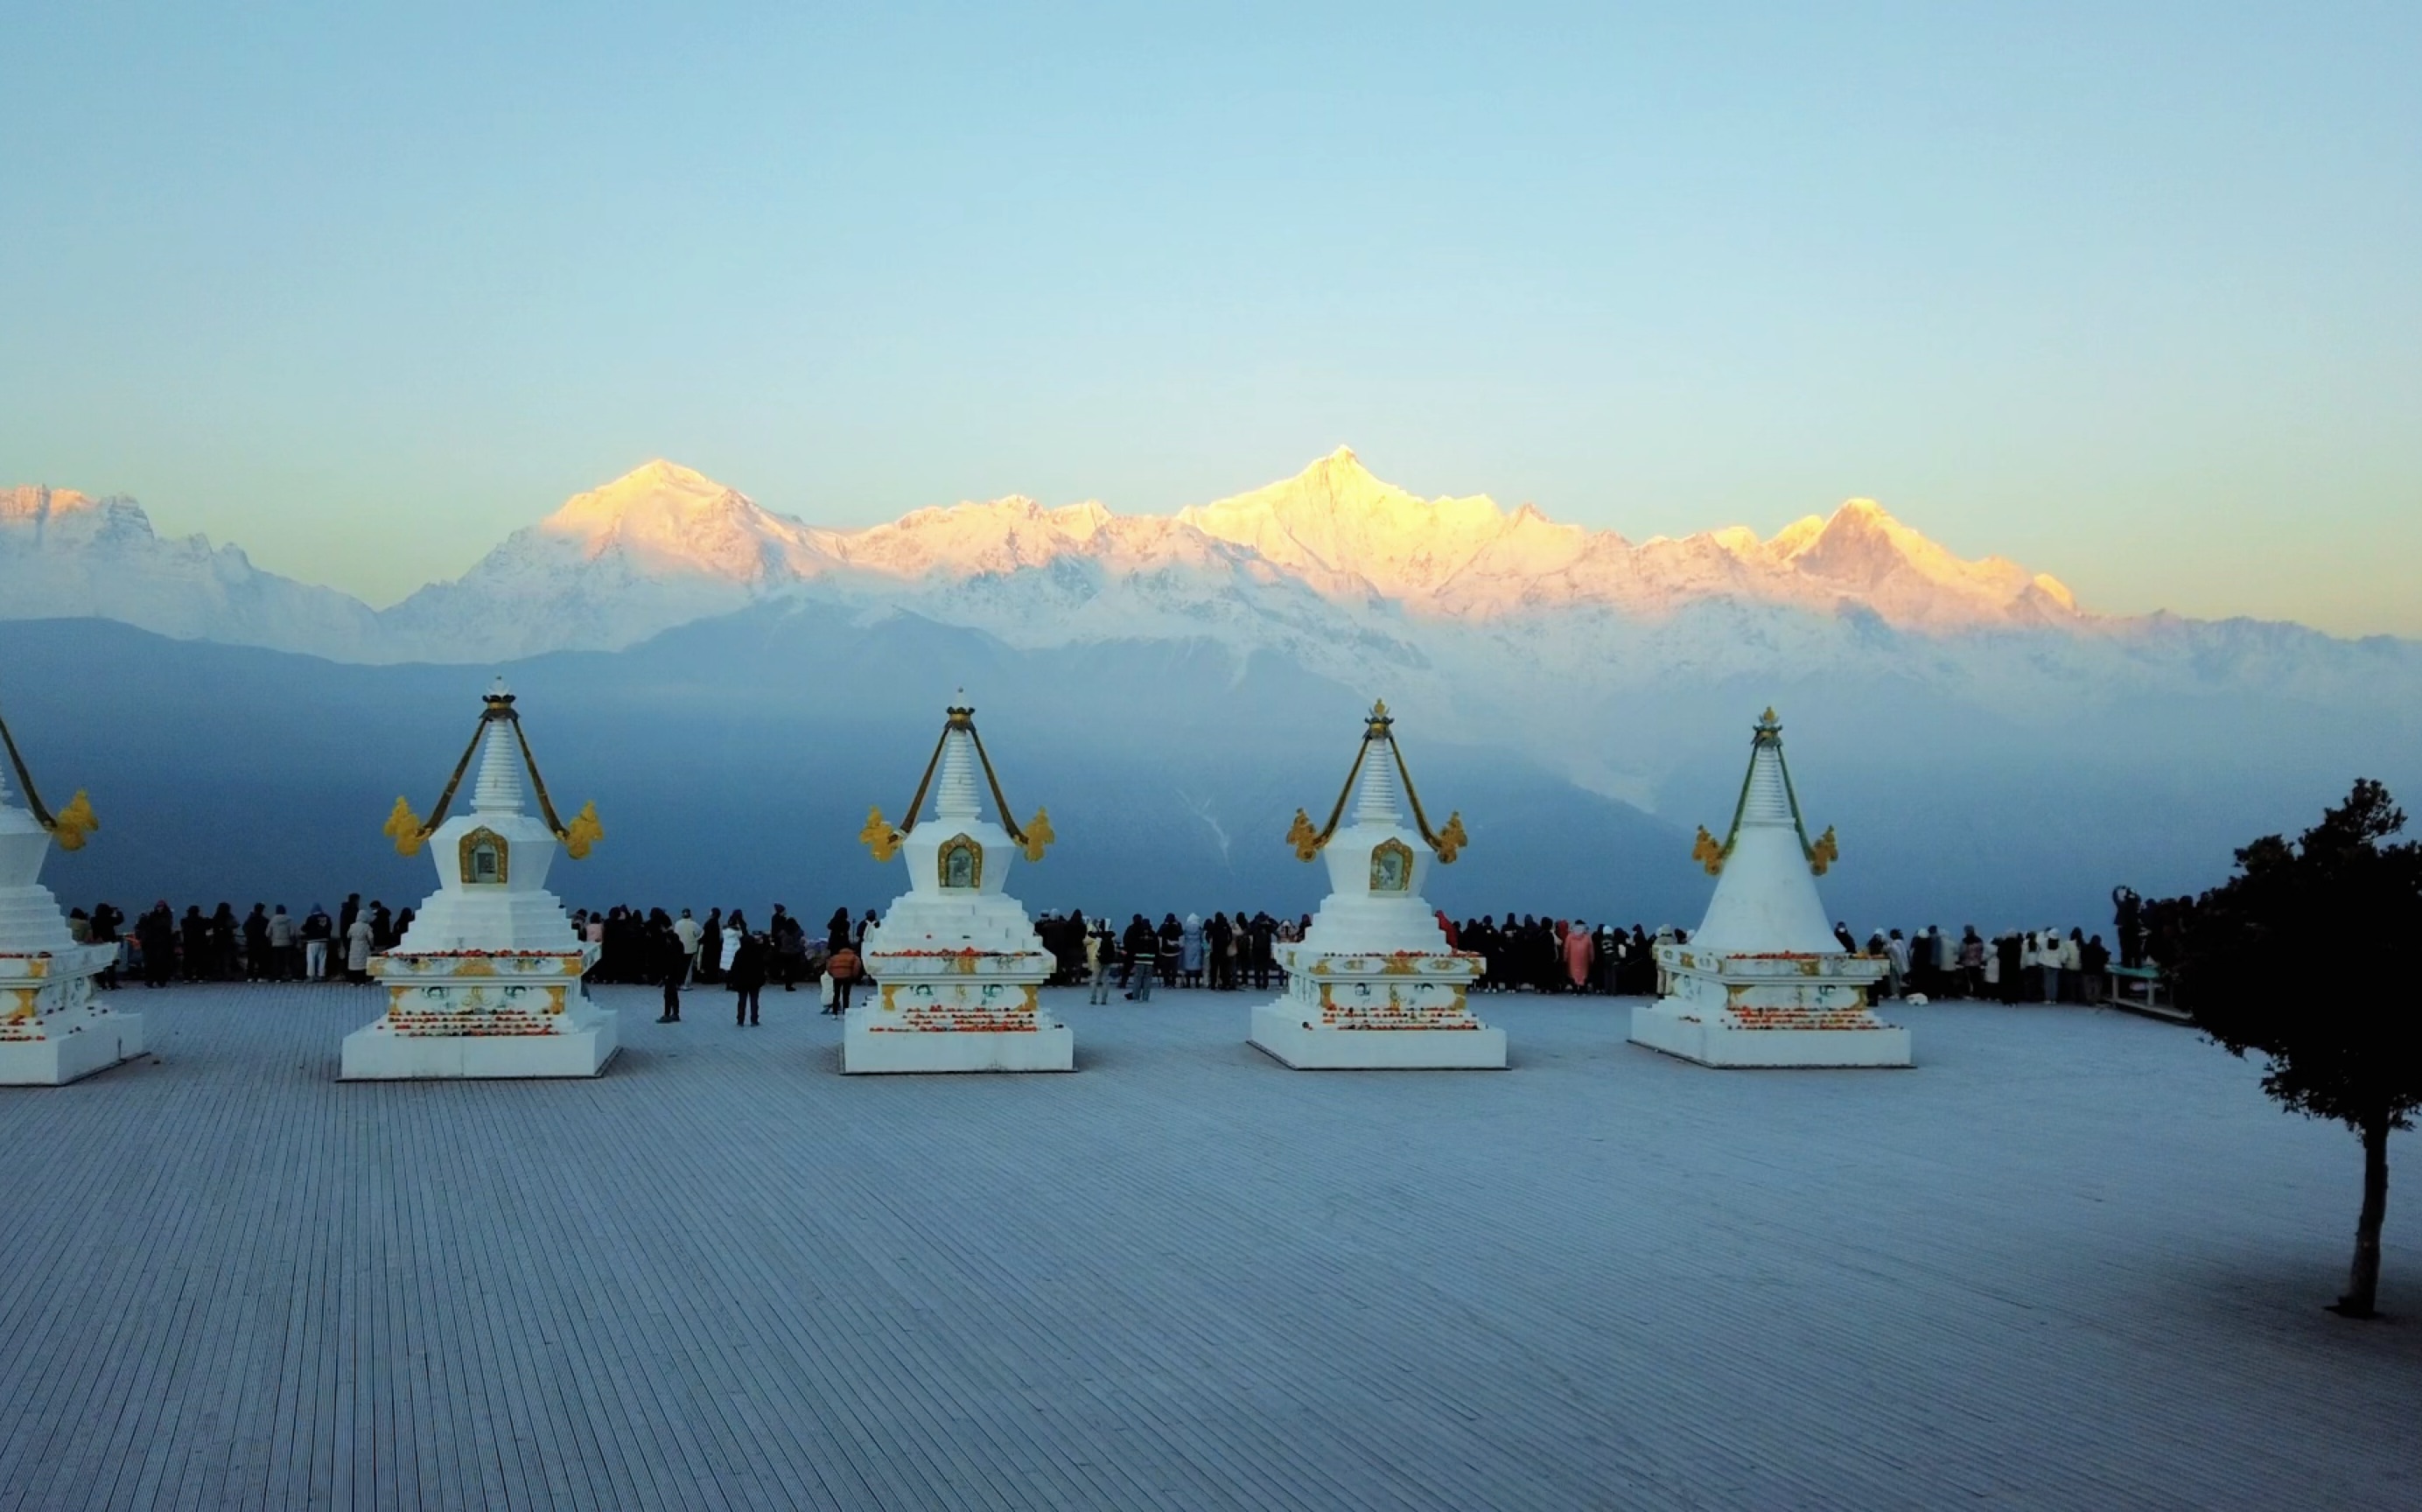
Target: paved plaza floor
point(2074, 1259)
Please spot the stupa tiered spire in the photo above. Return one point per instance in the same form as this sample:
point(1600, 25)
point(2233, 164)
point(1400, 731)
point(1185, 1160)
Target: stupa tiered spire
point(1768, 801)
point(1376, 802)
point(957, 757)
point(499, 788)
point(496, 740)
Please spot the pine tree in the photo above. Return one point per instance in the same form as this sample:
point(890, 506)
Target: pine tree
point(2271, 963)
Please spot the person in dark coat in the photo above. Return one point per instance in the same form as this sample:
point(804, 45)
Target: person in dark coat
point(675, 970)
point(156, 931)
point(255, 944)
point(1263, 934)
point(1216, 937)
point(196, 941)
point(105, 920)
point(1143, 946)
point(747, 979)
point(710, 946)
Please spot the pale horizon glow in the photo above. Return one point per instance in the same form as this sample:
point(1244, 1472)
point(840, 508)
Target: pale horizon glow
point(2126, 298)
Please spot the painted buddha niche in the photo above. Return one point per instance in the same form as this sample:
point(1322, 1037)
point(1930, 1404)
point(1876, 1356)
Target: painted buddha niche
point(484, 857)
point(1391, 867)
point(961, 863)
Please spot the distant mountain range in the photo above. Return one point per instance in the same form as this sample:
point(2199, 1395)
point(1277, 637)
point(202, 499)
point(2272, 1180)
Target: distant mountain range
point(664, 546)
point(1999, 745)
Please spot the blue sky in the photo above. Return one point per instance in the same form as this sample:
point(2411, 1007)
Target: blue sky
point(2127, 293)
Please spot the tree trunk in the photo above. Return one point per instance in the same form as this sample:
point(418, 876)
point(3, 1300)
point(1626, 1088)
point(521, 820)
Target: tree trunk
point(2363, 1280)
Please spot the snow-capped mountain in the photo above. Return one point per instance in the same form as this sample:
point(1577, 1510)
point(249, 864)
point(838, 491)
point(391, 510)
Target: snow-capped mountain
point(665, 546)
point(64, 555)
point(658, 547)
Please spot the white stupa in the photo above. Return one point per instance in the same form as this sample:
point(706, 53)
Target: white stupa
point(958, 969)
point(1764, 983)
point(53, 1029)
point(1373, 985)
point(487, 980)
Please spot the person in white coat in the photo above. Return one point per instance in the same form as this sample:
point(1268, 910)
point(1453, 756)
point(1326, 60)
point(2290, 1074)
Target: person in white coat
point(686, 930)
point(358, 949)
point(1897, 962)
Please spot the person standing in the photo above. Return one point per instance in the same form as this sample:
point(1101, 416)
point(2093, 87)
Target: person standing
point(1580, 951)
point(281, 945)
point(685, 930)
point(790, 948)
point(358, 951)
point(255, 944)
point(156, 931)
point(747, 977)
point(194, 933)
point(1143, 945)
point(710, 946)
point(105, 920)
point(1189, 952)
point(317, 929)
point(842, 966)
point(1098, 946)
point(676, 971)
point(735, 931)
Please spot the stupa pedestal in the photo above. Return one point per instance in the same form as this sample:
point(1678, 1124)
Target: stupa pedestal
point(958, 969)
point(1372, 985)
point(52, 1027)
point(1764, 983)
point(487, 982)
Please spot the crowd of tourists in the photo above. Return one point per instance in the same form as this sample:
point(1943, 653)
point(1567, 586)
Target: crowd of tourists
point(159, 946)
point(1227, 952)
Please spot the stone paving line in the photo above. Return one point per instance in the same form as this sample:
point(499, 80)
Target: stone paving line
point(2074, 1259)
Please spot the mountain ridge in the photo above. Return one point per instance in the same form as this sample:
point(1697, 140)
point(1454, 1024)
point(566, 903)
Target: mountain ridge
point(663, 543)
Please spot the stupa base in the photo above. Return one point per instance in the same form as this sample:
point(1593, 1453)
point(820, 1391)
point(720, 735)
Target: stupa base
point(871, 1052)
point(866, 1049)
point(1279, 1032)
point(376, 1054)
point(1686, 1031)
point(71, 1052)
